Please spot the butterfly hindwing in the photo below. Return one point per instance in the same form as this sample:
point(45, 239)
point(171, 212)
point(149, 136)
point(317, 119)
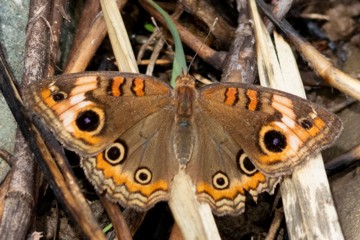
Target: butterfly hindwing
point(136, 170)
point(221, 171)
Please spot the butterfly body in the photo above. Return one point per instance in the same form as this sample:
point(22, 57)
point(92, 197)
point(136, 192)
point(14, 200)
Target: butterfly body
point(184, 134)
point(134, 133)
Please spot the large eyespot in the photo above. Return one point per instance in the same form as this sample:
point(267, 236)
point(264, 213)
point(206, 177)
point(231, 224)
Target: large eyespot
point(115, 153)
point(143, 175)
point(246, 165)
point(220, 180)
point(88, 120)
point(274, 141)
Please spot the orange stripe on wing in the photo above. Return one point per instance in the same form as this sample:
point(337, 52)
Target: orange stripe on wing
point(121, 177)
point(138, 87)
point(116, 86)
point(253, 100)
point(231, 96)
point(236, 187)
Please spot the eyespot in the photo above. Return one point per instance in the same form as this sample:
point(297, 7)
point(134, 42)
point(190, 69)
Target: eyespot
point(59, 96)
point(274, 141)
point(143, 176)
point(88, 120)
point(220, 180)
point(115, 154)
point(246, 165)
point(305, 123)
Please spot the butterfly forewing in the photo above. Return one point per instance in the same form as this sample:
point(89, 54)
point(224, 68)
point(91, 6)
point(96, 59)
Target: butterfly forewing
point(87, 111)
point(119, 124)
point(276, 130)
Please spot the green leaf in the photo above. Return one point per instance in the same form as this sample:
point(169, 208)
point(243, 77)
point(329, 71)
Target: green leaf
point(149, 27)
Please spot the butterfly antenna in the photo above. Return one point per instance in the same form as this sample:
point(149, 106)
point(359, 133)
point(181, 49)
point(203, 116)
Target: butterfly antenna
point(202, 44)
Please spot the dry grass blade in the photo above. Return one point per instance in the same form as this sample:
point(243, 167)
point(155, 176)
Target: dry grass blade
point(332, 75)
point(195, 220)
point(119, 38)
point(305, 194)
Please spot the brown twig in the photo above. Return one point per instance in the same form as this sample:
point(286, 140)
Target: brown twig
point(176, 233)
point(21, 196)
point(18, 192)
point(345, 160)
point(56, 21)
point(35, 56)
point(214, 58)
point(240, 61)
point(91, 32)
point(7, 157)
point(279, 9)
point(154, 55)
point(275, 225)
point(3, 191)
point(206, 11)
point(117, 219)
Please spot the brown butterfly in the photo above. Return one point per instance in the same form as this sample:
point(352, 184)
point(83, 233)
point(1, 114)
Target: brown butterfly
point(135, 132)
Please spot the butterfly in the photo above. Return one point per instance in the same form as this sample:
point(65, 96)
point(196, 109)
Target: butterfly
point(134, 133)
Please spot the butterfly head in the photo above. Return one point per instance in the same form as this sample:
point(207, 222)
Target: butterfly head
point(185, 80)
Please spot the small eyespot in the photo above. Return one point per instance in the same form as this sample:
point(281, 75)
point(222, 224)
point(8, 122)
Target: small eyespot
point(305, 123)
point(246, 165)
point(88, 121)
point(56, 94)
point(59, 96)
point(143, 176)
point(220, 181)
point(274, 141)
point(115, 154)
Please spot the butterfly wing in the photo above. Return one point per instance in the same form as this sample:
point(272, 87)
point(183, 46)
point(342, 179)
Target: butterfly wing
point(275, 129)
point(221, 171)
point(88, 111)
point(136, 170)
point(119, 124)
